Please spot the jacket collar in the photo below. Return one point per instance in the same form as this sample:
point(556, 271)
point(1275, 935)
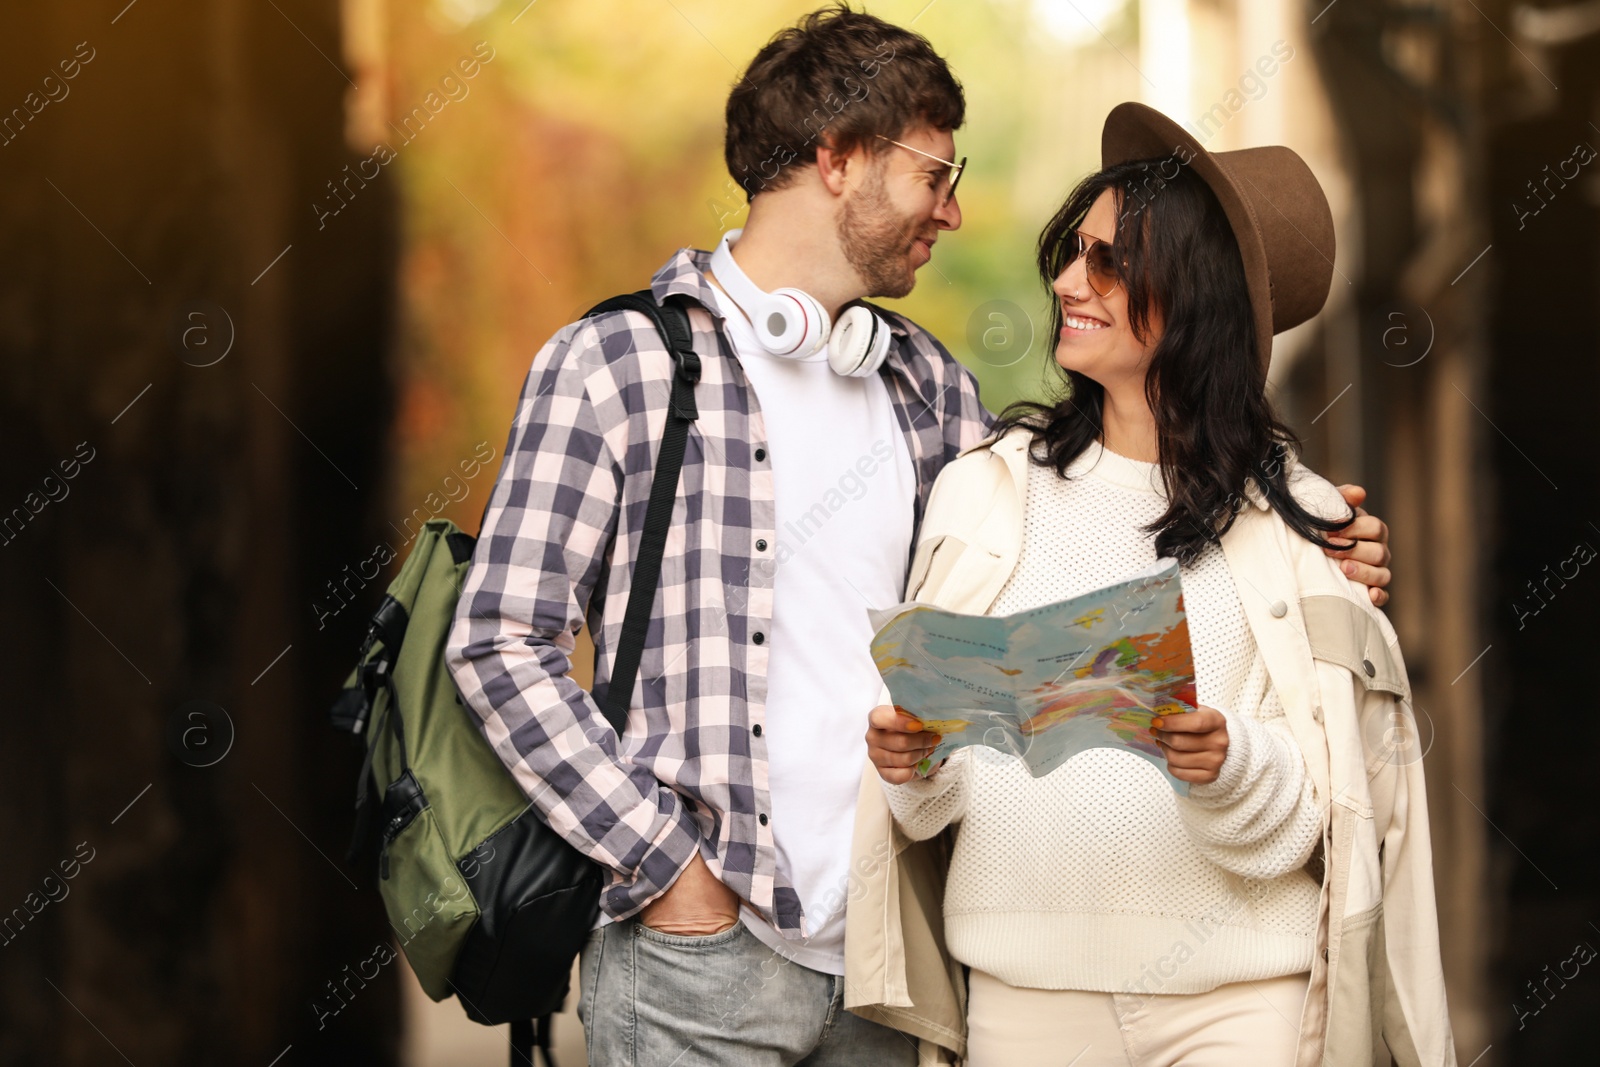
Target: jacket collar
point(1012, 443)
point(1253, 493)
point(1012, 449)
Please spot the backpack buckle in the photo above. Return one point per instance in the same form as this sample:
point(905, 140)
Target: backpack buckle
point(689, 365)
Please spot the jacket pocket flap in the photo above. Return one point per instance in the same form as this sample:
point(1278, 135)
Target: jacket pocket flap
point(1341, 632)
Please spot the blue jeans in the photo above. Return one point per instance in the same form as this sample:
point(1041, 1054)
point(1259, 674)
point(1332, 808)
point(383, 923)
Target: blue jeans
point(650, 999)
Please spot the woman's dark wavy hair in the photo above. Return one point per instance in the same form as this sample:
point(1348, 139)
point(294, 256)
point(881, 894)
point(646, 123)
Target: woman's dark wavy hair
point(1215, 427)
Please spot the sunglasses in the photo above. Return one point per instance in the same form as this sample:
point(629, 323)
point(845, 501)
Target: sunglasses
point(1100, 262)
point(945, 186)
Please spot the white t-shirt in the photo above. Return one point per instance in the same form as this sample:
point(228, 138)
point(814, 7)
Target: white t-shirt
point(845, 496)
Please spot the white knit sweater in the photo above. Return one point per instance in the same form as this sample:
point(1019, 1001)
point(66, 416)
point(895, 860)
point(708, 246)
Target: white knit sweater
point(1098, 876)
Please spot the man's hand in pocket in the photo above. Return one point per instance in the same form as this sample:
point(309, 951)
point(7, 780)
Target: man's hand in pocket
point(695, 905)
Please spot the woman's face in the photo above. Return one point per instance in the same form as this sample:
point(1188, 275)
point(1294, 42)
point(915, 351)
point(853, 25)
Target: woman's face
point(1096, 338)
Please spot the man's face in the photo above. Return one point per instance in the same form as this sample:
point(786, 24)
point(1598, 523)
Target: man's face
point(889, 223)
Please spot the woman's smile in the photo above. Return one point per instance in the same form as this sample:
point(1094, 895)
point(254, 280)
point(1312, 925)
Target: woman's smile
point(1077, 322)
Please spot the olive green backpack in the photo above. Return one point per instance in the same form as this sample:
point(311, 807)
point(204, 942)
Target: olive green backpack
point(488, 903)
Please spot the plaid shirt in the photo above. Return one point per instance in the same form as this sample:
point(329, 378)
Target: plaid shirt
point(562, 528)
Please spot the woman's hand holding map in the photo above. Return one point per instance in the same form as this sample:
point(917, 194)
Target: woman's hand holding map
point(1195, 744)
point(897, 741)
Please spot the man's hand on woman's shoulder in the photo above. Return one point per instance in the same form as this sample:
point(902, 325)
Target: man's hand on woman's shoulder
point(1366, 558)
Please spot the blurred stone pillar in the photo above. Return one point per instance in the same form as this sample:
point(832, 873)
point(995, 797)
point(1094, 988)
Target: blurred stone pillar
point(208, 365)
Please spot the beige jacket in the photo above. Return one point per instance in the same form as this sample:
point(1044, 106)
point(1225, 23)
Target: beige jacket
point(1336, 666)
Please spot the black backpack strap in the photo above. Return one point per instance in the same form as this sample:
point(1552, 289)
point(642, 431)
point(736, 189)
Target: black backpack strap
point(672, 321)
point(528, 1035)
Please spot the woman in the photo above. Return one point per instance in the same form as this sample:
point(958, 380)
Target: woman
point(1103, 919)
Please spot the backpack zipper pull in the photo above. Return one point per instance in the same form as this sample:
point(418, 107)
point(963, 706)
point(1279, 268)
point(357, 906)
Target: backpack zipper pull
point(393, 827)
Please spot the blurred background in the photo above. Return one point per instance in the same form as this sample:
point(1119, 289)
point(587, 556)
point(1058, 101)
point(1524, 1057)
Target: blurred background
point(274, 271)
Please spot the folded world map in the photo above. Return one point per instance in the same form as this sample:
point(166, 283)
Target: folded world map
point(1047, 683)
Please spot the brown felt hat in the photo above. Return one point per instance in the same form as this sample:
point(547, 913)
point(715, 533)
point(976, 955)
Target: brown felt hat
point(1279, 213)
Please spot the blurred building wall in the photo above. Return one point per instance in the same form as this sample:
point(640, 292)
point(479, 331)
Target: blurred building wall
point(193, 409)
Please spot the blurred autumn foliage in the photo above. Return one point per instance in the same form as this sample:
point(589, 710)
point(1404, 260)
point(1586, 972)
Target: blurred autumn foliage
point(589, 149)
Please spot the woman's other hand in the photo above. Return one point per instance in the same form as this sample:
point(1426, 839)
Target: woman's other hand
point(1194, 742)
point(896, 743)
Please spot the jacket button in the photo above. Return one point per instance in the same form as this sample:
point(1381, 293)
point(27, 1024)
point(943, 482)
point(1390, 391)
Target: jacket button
point(763, 818)
point(759, 638)
point(756, 729)
point(1316, 713)
point(1367, 666)
point(761, 454)
point(761, 544)
point(1324, 953)
point(1279, 609)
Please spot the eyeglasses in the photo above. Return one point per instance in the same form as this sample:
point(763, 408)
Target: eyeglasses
point(1099, 262)
point(947, 180)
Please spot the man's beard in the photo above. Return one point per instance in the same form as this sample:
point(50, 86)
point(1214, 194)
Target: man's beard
point(876, 242)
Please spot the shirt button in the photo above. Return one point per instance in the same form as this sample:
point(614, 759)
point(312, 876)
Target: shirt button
point(763, 818)
point(761, 544)
point(761, 454)
point(1367, 666)
point(759, 638)
point(756, 729)
point(1279, 609)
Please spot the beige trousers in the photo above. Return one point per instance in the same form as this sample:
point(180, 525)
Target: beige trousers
point(1245, 1023)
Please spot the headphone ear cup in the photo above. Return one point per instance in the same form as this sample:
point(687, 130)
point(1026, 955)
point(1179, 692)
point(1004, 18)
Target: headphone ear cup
point(859, 343)
point(791, 323)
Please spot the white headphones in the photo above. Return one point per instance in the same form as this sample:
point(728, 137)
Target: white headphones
point(789, 322)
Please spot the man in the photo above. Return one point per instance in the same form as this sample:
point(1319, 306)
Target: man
point(724, 813)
